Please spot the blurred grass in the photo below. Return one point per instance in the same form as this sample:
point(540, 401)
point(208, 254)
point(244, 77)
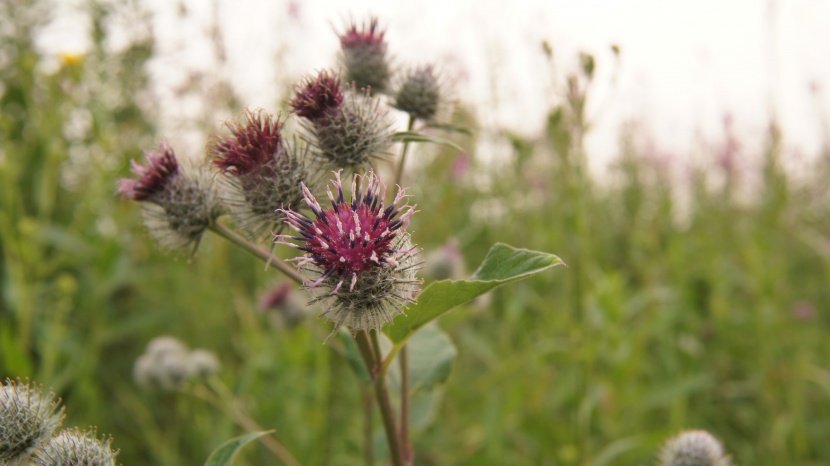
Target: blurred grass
point(708, 314)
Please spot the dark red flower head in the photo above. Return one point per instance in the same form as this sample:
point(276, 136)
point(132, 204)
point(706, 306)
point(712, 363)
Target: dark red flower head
point(367, 36)
point(254, 142)
point(350, 237)
point(318, 96)
point(152, 179)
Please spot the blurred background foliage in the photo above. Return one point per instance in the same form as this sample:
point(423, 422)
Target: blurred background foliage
point(685, 304)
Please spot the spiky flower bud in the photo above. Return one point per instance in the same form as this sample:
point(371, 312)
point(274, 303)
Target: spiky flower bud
point(28, 417)
point(419, 93)
point(349, 131)
point(693, 448)
point(179, 201)
point(290, 308)
point(262, 172)
point(363, 54)
point(359, 260)
point(75, 448)
point(445, 262)
point(317, 96)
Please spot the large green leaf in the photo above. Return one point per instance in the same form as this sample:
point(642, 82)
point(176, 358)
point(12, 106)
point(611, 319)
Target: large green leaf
point(503, 264)
point(223, 455)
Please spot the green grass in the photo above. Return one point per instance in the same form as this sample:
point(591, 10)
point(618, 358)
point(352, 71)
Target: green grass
point(665, 319)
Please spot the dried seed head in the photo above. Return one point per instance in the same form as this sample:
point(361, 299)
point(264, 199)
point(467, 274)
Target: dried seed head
point(262, 172)
point(28, 417)
point(317, 96)
point(693, 448)
point(75, 448)
point(363, 54)
point(358, 257)
point(419, 93)
point(180, 200)
point(354, 135)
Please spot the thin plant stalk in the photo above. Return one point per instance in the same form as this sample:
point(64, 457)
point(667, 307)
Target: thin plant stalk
point(399, 171)
point(257, 251)
point(368, 427)
point(381, 393)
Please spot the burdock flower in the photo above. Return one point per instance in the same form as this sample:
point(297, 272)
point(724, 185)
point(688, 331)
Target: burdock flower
point(179, 201)
point(348, 130)
point(693, 448)
point(419, 93)
point(263, 172)
point(363, 54)
point(72, 447)
point(359, 260)
point(28, 417)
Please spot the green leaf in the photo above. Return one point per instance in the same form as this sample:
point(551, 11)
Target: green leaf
point(503, 264)
point(223, 456)
point(412, 136)
point(449, 127)
point(431, 354)
point(352, 353)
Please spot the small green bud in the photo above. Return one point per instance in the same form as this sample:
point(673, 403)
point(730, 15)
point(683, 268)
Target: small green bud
point(75, 448)
point(693, 448)
point(28, 417)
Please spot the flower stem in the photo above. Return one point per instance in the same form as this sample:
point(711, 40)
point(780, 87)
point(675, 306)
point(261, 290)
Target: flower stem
point(381, 393)
point(404, 361)
point(368, 412)
point(399, 172)
point(257, 251)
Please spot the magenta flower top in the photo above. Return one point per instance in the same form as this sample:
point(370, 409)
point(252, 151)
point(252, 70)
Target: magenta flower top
point(152, 179)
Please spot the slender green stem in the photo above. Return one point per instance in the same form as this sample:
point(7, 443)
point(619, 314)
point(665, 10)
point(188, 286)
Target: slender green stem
point(368, 427)
point(257, 251)
point(399, 172)
point(407, 448)
point(381, 394)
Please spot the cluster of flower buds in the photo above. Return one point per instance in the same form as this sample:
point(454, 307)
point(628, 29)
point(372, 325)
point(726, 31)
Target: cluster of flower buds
point(169, 365)
point(28, 421)
point(694, 448)
point(358, 254)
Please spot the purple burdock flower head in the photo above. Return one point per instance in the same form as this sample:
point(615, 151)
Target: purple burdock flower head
point(262, 172)
point(253, 144)
point(317, 96)
point(358, 257)
point(363, 54)
point(152, 180)
point(179, 201)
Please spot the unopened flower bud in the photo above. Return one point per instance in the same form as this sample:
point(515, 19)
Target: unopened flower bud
point(28, 417)
point(75, 448)
point(363, 54)
point(351, 134)
point(286, 302)
point(358, 259)
point(419, 93)
point(693, 448)
point(445, 262)
point(203, 363)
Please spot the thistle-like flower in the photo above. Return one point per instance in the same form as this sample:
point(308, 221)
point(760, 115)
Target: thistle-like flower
point(359, 260)
point(363, 54)
point(75, 448)
point(179, 201)
point(28, 417)
point(419, 93)
point(168, 364)
point(347, 130)
point(262, 171)
point(693, 448)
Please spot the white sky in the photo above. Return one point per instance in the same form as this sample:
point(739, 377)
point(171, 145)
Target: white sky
point(685, 64)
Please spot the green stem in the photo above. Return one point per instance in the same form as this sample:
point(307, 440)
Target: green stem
point(399, 172)
point(257, 251)
point(381, 393)
point(404, 361)
point(368, 412)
